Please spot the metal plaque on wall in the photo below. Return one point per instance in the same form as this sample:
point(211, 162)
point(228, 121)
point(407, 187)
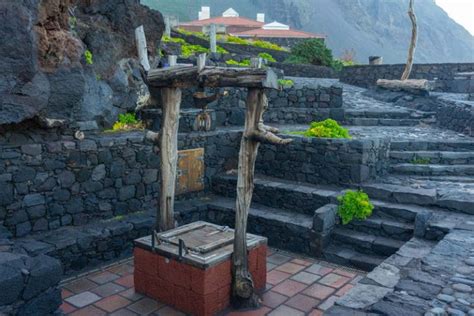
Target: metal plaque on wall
point(190, 171)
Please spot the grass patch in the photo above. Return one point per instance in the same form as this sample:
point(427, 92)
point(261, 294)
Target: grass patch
point(127, 122)
point(243, 63)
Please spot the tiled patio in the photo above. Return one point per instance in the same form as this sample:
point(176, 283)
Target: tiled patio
point(295, 286)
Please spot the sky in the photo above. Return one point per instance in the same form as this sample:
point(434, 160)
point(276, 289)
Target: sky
point(462, 11)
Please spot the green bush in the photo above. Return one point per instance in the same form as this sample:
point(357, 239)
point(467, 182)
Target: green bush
point(286, 82)
point(267, 57)
point(88, 57)
point(311, 51)
point(243, 63)
point(265, 44)
point(354, 204)
point(188, 50)
point(127, 121)
point(328, 128)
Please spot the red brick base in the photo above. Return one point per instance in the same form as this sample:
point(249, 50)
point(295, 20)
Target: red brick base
point(190, 289)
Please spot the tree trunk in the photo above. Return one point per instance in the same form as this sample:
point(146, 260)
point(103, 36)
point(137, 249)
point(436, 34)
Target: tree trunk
point(414, 38)
point(171, 101)
point(243, 294)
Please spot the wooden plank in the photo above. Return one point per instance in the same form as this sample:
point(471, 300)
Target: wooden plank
point(182, 77)
point(190, 171)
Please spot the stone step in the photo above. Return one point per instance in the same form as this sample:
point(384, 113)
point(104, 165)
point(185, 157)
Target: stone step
point(387, 113)
point(384, 227)
point(413, 197)
point(341, 254)
point(284, 229)
point(296, 197)
point(381, 122)
point(433, 157)
point(398, 212)
point(366, 242)
point(432, 170)
point(435, 145)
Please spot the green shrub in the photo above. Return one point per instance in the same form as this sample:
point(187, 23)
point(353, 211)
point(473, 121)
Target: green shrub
point(256, 43)
point(221, 50)
point(88, 57)
point(188, 50)
point(328, 128)
point(127, 121)
point(311, 51)
point(236, 40)
point(286, 82)
point(267, 57)
point(354, 204)
point(201, 35)
point(167, 39)
point(338, 64)
point(267, 45)
point(243, 63)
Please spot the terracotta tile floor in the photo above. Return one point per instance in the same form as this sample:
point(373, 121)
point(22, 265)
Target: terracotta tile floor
point(296, 286)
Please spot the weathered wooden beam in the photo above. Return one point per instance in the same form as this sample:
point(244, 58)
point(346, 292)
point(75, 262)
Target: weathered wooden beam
point(409, 85)
point(182, 76)
point(171, 101)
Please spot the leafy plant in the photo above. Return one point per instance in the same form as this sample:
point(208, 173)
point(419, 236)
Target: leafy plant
point(328, 128)
point(221, 50)
point(267, 45)
point(188, 50)
point(201, 35)
point(127, 121)
point(286, 82)
point(256, 43)
point(354, 204)
point(88, 57)
point(167, 39)
point(311, 51)
point(267, 57)
point(420, 161)
point(243, 63)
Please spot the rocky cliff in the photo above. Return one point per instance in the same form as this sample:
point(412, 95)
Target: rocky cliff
point(370, 27)
point(43, 69)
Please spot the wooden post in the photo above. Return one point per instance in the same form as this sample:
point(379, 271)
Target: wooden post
point(167, 26)
point(414, 38)
point(171, 102)
point(243, 293)
point(142, 47)
point(213, 38)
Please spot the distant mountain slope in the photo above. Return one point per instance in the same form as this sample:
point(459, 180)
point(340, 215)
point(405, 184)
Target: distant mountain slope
point(370, 27)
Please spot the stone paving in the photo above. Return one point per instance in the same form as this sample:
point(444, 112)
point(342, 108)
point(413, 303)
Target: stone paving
point(296, 285)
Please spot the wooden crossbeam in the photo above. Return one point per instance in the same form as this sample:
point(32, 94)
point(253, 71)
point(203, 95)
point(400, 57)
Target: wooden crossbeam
point(213, 77)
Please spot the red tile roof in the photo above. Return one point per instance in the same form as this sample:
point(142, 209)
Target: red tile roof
point(235, 21)
point(277, 33)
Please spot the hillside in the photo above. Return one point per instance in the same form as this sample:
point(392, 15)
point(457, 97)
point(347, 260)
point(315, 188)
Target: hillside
point(370, 27)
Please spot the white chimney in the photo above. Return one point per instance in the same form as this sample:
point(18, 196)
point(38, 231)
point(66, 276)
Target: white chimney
point(205, 13)
point(261, 17)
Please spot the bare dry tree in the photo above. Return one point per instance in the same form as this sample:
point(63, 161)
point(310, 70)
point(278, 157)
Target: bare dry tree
point(414, 38)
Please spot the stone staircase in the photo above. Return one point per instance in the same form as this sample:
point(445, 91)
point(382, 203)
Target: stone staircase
point(432, 158)
point(289, 208)
point(382, 116)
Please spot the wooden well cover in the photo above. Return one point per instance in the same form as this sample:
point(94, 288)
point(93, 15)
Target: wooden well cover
point(190, 171)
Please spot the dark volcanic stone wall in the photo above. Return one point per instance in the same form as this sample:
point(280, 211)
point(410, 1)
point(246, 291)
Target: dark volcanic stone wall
point(325, 161)
point(58, 181)
point(445, 74)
